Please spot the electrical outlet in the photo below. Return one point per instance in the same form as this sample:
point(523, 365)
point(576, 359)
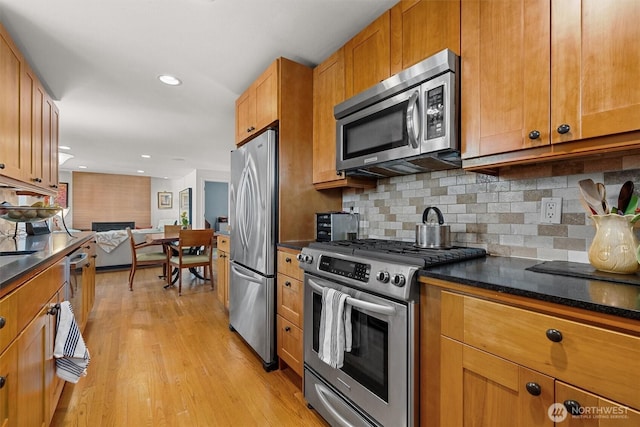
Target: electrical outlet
point(551, 210)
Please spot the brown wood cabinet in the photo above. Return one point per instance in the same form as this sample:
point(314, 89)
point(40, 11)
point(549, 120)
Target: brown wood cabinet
point(367, 56)
point(289, 317)
point(9, 387)
point(10, 63)
point(328, 90)
point(505, 362)
point(421, 28)
point(567, 82)
point(404, 35)
point(38, 389)
point(257, 107)
point(224, 248)
point(298, 200)
point(28, 124)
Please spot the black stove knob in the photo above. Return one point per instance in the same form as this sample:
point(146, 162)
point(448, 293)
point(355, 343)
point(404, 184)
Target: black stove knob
point(382, 276)
point(304, 258)
point(398, 280)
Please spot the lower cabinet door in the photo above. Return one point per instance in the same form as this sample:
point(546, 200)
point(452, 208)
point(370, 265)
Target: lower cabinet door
point(8, 386)
point(290, 344)
point(583, 409)
point(483, 390)
point(32, 398)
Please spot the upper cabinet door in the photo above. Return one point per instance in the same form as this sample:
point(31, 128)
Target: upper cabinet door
point(367, 56)
point(266, 87)
point(328, 90)
point(505, 80)
point(9, 109)
point(595, 65)
point(257, 107)
point(423, 28)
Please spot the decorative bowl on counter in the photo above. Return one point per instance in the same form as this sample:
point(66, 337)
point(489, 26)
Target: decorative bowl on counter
point(28, 213)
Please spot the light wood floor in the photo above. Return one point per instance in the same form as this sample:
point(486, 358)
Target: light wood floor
point(162, 360)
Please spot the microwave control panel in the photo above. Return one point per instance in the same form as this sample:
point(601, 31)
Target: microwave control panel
point(435, 126)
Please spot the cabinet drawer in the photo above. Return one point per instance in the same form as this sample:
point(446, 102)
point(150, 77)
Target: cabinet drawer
point(590, 357)
point(223, 243)
point(8, 317)
point(290, 297)
point(287, 264)
point(32, 296)
point(290, 344)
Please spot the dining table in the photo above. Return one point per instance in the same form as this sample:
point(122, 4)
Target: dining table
point(167, 240)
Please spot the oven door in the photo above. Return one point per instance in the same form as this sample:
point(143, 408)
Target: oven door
point(378, 373)
point(388, 130)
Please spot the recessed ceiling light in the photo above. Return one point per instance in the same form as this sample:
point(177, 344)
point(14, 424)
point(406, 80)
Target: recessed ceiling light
point(169, 80)
point(82, 167)
point(145, 156)
point(140, 171)
point(63, 147)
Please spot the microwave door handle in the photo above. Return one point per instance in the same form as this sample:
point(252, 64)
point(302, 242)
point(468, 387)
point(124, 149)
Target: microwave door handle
point(384, 310)
point(322, 392)
point(413, 128)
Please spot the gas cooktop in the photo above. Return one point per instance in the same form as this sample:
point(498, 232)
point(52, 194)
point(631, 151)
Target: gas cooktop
point(400, 251)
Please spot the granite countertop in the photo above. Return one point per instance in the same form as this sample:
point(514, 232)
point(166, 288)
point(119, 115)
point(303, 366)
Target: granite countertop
point(510, 276)
point(297, 245)
point(47, 246)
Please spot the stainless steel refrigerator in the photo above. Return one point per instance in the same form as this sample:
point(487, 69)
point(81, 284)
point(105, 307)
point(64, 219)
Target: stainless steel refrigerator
point(253, 219)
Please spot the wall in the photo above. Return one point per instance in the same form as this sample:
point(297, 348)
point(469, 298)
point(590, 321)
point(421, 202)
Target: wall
point(500, 214)
point(216, 201)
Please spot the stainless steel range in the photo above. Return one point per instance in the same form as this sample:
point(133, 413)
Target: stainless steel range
point(377, 383)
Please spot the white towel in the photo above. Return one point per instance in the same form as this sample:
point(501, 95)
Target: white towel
point(335, 327)
point(71, 354)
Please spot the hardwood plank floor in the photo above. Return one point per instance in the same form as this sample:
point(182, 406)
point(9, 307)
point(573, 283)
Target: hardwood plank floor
point(162, 360)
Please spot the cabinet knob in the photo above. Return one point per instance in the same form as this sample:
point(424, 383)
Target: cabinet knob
point(573, 407)
point(534, 134)
point(564, 128)
point(3, 381)
point(554, 335)
point(287, 259)
point(251, 129)
point(37, 180)
point(339, 173)
point(1, 165)
point(53, 310)
point(53, 186)
point(3, 322)
point(534, 389)
point(287, 284)
point(287, 328)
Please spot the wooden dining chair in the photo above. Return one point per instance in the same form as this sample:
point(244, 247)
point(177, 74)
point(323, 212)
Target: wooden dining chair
point(200, 254)
point(140, 259)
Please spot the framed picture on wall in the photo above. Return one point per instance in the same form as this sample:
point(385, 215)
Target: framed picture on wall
point(185, 206)
point(62, 197)
point(165, 200)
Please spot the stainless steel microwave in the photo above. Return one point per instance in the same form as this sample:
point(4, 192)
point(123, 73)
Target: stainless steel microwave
point(406, 124)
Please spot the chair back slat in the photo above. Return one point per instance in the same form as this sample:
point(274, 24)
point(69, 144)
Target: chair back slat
point(196, 237)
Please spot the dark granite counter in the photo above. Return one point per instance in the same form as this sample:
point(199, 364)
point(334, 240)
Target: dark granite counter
point(48, 247)
point(510, 276)
point(297, 245)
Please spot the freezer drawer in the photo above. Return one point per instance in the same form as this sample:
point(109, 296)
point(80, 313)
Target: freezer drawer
point(252, 311)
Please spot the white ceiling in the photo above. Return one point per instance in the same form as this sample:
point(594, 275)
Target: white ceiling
point(99, 59)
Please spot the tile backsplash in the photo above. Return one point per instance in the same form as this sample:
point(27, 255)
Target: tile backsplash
point(498, 213)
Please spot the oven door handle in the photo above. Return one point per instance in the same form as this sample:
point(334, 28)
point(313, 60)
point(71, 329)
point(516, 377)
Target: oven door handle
point(384, 310)
point(322, 393)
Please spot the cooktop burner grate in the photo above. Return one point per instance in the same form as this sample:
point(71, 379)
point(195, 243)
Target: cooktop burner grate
point(400, 251)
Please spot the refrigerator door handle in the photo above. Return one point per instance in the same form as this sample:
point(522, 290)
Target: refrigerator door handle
point(244, 276)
